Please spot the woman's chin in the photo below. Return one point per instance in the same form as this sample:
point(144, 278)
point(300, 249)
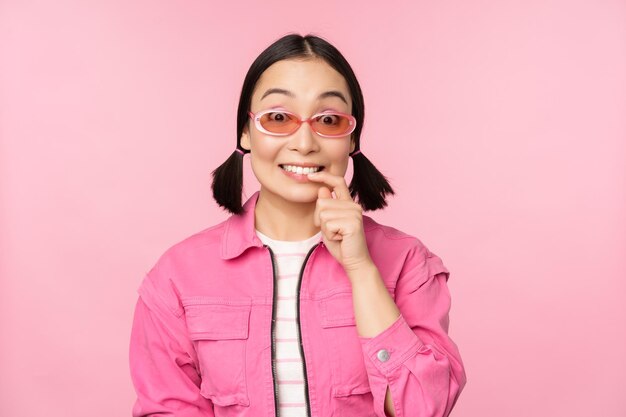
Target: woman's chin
point(297, 194)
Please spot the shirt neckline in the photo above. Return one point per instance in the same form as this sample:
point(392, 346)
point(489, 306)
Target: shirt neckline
point(306, 241)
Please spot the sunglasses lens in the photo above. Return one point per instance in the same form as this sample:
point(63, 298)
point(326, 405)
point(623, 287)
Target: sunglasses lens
point(328, 124)
point(279, 122)
point(332, 124)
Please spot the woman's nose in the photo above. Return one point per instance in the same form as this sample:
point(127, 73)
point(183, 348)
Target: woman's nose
point(304, 139)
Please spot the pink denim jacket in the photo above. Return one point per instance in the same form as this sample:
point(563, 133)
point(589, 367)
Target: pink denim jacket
point(201, 340)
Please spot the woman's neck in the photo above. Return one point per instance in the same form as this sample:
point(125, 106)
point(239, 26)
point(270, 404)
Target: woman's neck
point(281, 219)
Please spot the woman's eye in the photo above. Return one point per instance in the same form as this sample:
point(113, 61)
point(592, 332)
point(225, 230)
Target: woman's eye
point(278, 116)
point(328, 119)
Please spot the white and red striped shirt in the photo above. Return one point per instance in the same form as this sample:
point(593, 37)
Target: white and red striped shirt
point(288, 259)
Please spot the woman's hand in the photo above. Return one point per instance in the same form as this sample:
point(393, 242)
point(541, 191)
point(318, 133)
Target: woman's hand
point(341, 222)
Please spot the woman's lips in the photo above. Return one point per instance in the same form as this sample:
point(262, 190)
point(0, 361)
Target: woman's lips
point(297, 177)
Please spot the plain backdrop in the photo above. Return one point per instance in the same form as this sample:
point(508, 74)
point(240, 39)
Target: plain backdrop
point(501, 125)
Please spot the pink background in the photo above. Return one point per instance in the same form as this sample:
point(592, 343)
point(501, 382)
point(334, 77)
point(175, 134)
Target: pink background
point(500, 124)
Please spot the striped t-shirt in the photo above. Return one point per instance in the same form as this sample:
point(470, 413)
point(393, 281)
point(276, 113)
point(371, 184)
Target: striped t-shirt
point(288, 259)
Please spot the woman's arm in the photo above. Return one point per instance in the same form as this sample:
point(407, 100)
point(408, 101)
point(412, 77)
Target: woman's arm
point(162, 364)
point(412, 363)
point(368, 290)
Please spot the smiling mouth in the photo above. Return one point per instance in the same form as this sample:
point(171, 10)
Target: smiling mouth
point(300, 170)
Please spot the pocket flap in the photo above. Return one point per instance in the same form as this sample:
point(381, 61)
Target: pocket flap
point(337, 311)
point(217, 321)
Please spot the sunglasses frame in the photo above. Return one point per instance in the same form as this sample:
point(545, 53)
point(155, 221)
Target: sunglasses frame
point(256, 118)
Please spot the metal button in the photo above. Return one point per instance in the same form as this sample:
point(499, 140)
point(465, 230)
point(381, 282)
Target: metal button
point(383, 355)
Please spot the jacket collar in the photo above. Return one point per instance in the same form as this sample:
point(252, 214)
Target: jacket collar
point(240, 233)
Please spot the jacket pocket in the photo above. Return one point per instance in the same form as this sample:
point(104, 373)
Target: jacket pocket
point(219, 332)
point(344, 353)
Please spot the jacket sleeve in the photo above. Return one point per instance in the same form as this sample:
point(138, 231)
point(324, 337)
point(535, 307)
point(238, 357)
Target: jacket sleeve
point(162, 358)
point(422, 365)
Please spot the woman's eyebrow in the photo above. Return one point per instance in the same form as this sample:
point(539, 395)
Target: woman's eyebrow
point(325, 94)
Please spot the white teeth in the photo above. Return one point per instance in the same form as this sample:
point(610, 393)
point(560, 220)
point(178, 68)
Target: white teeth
point(300, 170)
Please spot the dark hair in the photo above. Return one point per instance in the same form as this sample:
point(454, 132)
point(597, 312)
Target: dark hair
point(368, 184)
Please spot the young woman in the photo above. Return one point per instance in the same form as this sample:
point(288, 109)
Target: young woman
point(297, 304)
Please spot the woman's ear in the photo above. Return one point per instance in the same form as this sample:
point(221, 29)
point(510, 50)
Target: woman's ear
point(352, 144)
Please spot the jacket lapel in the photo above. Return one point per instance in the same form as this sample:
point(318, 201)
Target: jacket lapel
point(239, 233)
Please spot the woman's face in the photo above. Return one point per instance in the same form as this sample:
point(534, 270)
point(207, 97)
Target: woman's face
point(305, 81)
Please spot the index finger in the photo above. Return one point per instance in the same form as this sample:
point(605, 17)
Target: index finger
point(337, 182)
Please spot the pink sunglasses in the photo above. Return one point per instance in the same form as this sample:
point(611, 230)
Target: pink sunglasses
point(328, 124)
